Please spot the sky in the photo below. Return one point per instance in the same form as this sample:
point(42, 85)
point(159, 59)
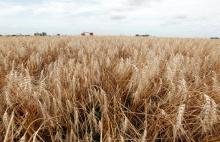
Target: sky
point(171, 18)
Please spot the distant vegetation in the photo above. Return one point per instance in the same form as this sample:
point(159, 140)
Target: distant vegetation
point(214, 38)
point(143, 35)
point(87, 34)
point(40, 34)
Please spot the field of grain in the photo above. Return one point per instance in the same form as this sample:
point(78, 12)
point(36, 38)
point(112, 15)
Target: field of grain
point(109, 89)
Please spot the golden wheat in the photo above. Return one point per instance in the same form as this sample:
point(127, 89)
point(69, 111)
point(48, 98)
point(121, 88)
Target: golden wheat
point(109, 89)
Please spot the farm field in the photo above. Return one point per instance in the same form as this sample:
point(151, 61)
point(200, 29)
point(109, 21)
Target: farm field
point(109, 89)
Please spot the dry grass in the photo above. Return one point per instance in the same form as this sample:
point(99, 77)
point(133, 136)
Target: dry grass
point(109, 89)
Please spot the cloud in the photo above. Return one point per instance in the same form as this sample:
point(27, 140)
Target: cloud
point(10, 9)
point(118, 17)
point(46, 7)
point(180, 17)
point(140, 3)
point(53, 7)
point(117, 8)
point(176, 20)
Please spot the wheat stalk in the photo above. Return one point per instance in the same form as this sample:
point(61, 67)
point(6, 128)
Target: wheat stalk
point(179, 119)
point(106, 88)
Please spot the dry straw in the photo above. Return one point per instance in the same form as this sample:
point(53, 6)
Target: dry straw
point(109, 89)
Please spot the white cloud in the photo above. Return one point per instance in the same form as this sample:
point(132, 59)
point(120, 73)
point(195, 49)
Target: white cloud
point(10, 9)
point(160, 17)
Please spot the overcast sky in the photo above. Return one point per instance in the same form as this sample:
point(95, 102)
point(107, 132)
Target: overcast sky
point(183, 18)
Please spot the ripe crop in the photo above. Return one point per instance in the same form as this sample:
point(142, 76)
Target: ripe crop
point(109, 89)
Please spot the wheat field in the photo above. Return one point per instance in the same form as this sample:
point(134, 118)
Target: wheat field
point(64, 89)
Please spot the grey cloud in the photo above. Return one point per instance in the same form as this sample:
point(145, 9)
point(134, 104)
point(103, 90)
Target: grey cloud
point(175, 20)
point(180, 17)
point(89, 13)
point(135, 3)
point(118, 17)
point(129, 6)
point(167, 23)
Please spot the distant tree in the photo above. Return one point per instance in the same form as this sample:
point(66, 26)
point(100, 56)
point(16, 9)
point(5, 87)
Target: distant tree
point(146, 35)
point(36, 34)
point(87, 33)
point(40, 34)
point(44, 34)
point(58, 34)
point(214, 38)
